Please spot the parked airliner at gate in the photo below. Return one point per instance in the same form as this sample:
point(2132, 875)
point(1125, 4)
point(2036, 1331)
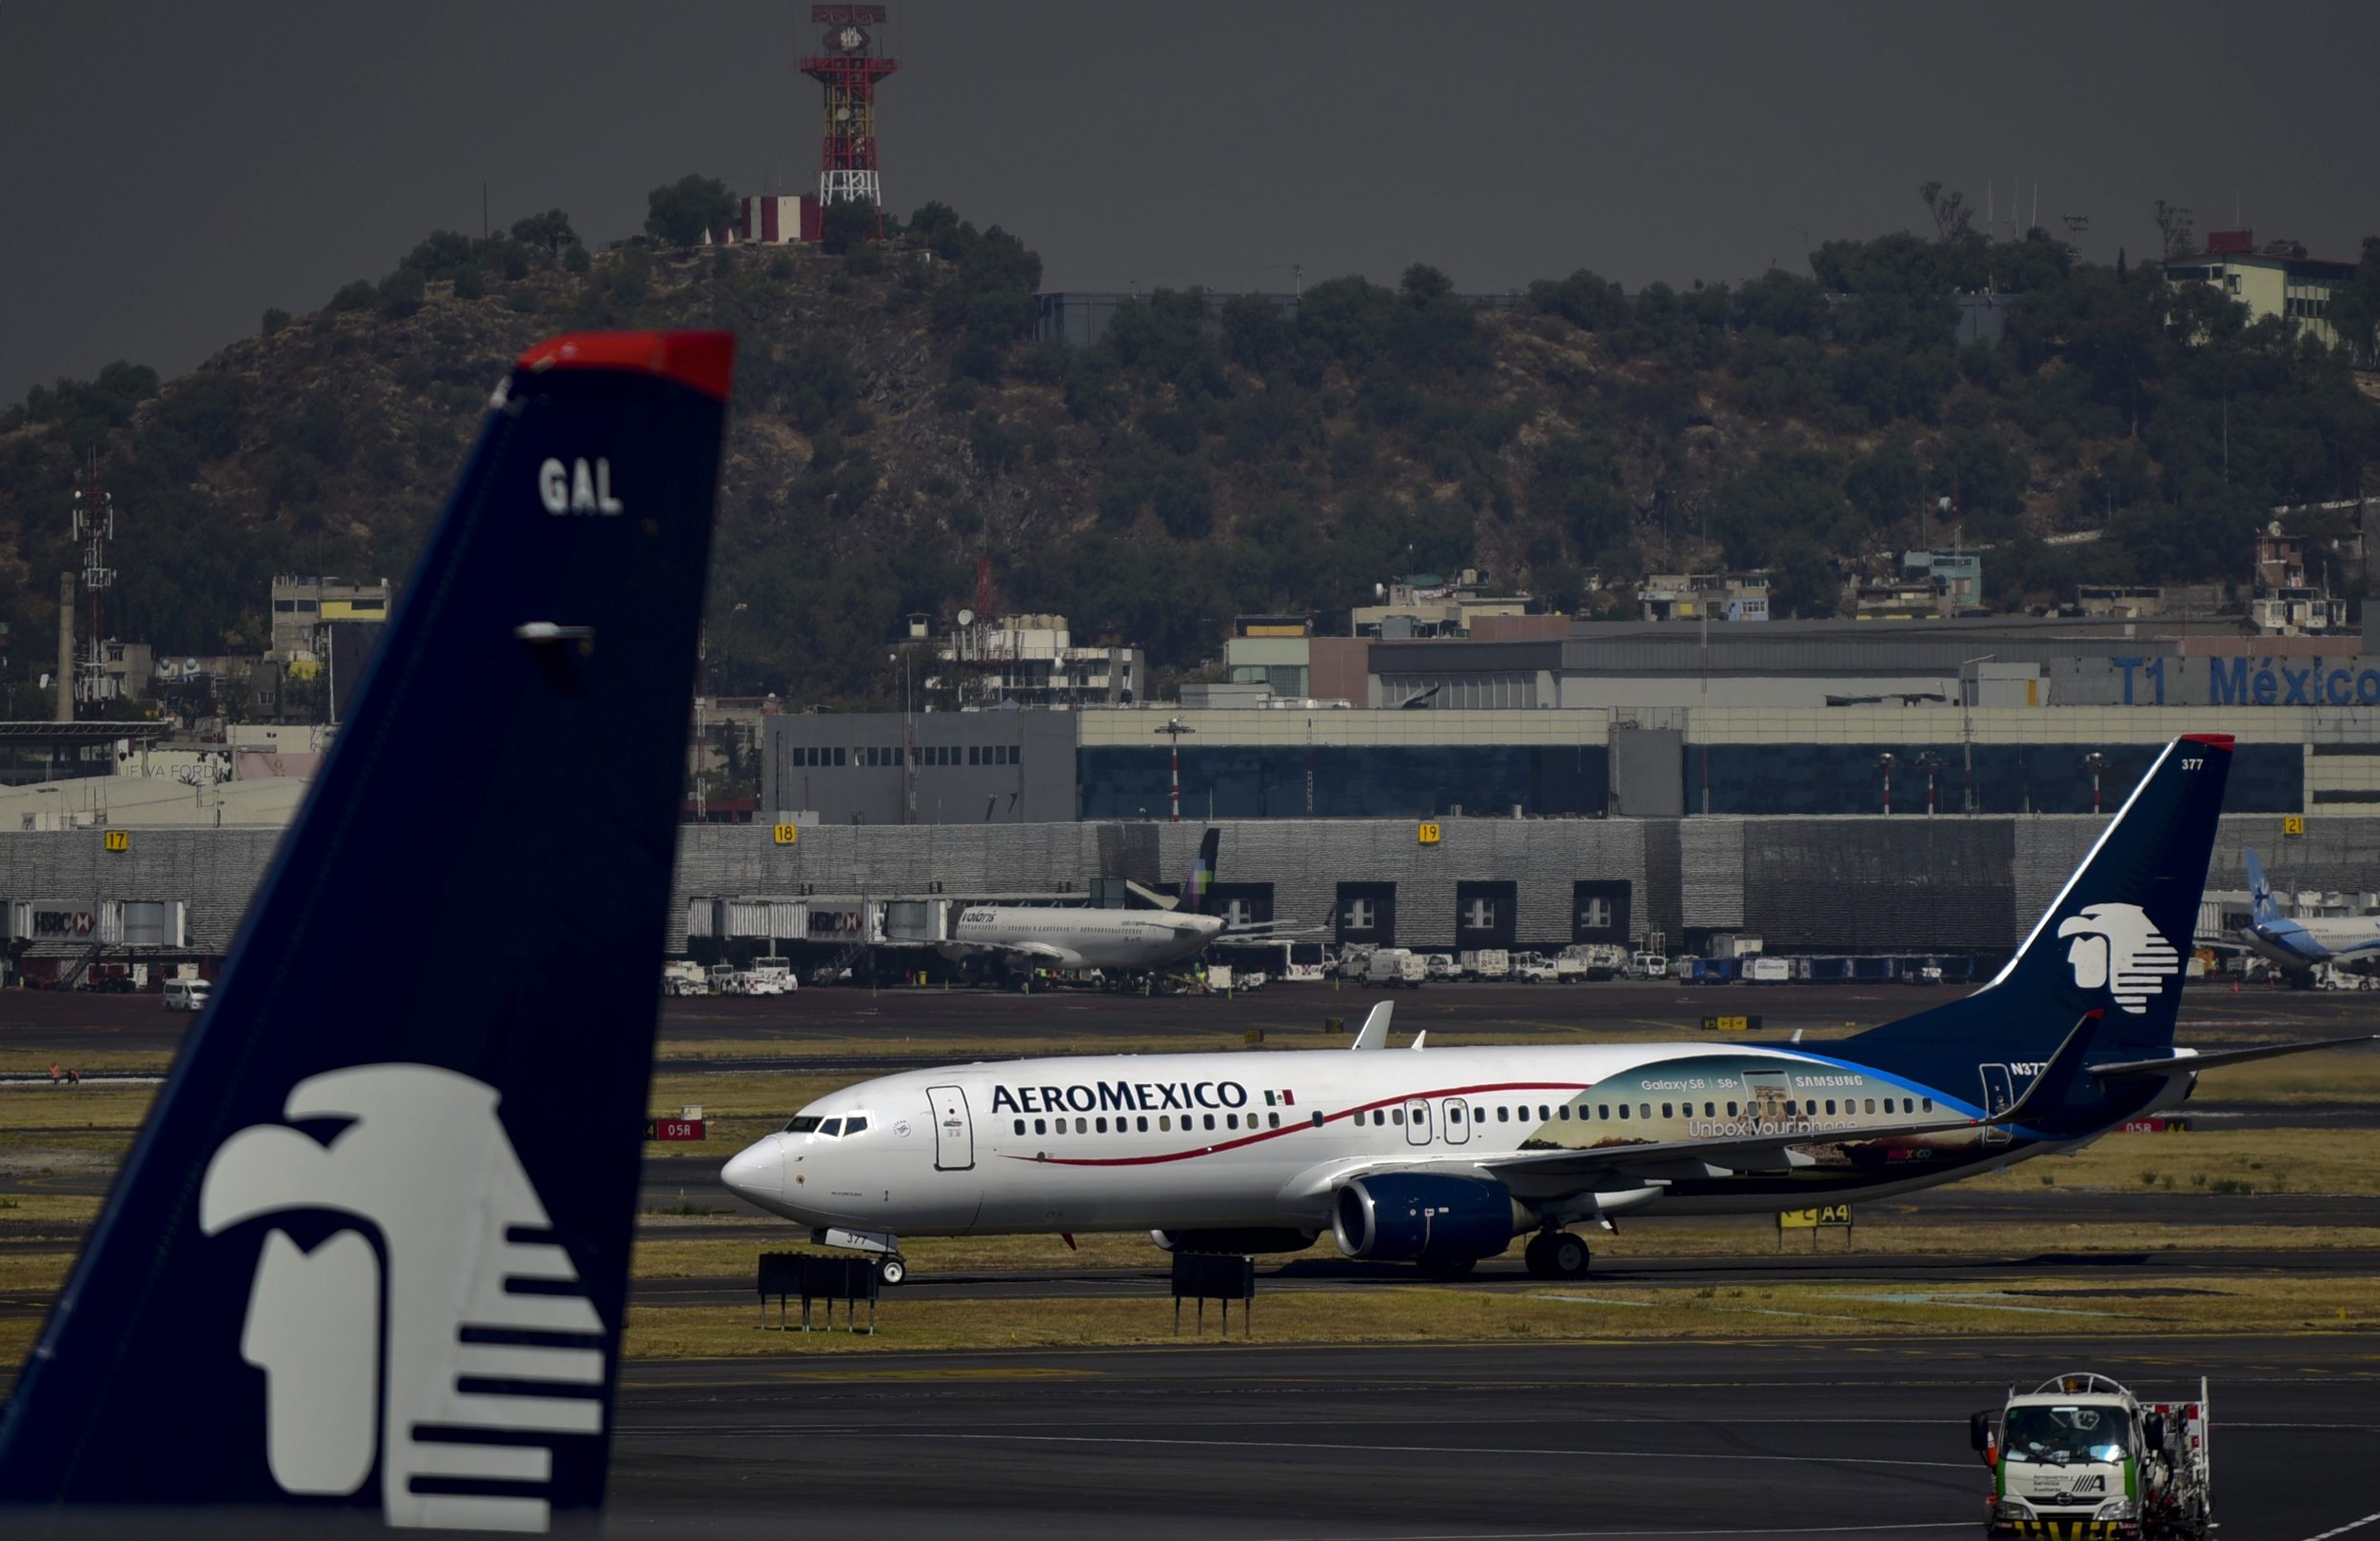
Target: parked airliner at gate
point(1442, 1158)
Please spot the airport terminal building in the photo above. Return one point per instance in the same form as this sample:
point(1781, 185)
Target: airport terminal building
point(1824, 787)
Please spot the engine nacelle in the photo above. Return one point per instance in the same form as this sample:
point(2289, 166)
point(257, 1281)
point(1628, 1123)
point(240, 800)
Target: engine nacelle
point(1420, 1218)
point(1236, 1240)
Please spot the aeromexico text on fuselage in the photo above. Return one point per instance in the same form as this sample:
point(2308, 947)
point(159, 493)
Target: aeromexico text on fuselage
point(1125, 1097)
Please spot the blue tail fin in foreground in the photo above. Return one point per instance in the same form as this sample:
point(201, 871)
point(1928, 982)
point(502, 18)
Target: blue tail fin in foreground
point(2114, 940)
point(370, 1251)
point(2261, 910)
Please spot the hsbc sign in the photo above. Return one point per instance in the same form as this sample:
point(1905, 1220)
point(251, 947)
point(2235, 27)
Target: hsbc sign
point(61, 924)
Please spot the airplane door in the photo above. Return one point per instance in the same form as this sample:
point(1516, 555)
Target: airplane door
point(1416, 1122)
point(1999, 1094)
point(954, 1133)
point(1457, 1120)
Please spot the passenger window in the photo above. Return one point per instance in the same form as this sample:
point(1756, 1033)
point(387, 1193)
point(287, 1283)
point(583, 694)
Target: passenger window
point(1021, 1126)
point(1830, 1106)
point(1102, 1126)
point(1872, 1104)
point(1710, 1110)
point(1317, 1120)
point(1165, 1122)
point(1731, 1109)
point(1231, 1120)
point(1565, 1112)
point(832, 1128)
point(1503, 1115)
point(1272, 1120)
point(855, 1126)
point(1928, 1105)
point(1623, 1110)
point(1210, 1120)
point(1790, 1109)
point(1644, 1110)
point(1668, 1112)
point(1545, 1114)
point(1041, 1126)
point(1143, 1122)
point(1396, 1116)
point(1603, 1110)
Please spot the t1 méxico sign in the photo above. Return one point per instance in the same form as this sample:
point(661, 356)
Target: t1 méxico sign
point(2331, 681)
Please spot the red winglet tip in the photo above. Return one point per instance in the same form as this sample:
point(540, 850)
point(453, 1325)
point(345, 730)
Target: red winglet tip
point(2218, 741)
point(701, 361)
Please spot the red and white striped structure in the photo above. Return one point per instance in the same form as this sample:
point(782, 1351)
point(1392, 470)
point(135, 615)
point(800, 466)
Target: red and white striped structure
point(779, 221)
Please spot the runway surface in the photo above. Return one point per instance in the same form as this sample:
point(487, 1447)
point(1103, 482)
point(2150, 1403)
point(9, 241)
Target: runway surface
point(1248, 1442)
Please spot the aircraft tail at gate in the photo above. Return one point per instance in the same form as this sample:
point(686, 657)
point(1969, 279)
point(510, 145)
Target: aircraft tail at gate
point(370, 1251)
point(2117, 938)
point(2261, 909)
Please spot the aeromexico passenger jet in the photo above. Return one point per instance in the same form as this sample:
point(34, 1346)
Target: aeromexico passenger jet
point(370, 1251)
point(1442, 1158)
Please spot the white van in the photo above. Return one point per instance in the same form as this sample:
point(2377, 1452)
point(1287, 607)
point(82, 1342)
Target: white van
point(186, 995)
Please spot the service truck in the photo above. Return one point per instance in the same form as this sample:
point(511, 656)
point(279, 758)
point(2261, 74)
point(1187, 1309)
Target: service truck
point(2079, 1456)
point(1394, 966)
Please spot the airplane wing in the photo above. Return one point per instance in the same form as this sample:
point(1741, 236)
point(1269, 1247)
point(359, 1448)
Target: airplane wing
point(2185, 1062)
point(1751, 1153)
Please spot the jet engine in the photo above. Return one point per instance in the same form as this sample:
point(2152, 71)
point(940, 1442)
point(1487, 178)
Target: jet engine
point(1236, 1240)
point(1423, 1218)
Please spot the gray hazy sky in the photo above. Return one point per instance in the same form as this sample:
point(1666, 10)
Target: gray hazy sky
point(171, 171)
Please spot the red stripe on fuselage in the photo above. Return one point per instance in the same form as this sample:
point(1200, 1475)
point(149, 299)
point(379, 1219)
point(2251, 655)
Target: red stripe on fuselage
point(1307, 1125)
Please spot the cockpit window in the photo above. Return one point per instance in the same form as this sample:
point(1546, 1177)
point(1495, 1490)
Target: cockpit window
point(831, 1128)
point(806, 1124)
point(854, 1126)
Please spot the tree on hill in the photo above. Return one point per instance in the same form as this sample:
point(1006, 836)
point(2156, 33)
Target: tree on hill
point(679, 213)
point(551, 232)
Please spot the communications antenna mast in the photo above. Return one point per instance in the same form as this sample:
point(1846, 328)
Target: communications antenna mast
point(849, 67)
point(94, 526)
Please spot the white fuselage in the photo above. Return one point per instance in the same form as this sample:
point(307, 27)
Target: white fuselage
point(1077, 939)
point(2299, 944)
point(1167, 1141)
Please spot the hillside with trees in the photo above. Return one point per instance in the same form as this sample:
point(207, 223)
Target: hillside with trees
point(895, 420)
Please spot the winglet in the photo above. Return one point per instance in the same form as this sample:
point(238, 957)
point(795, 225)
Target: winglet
point(1375, 1032)
point(1420, 1038)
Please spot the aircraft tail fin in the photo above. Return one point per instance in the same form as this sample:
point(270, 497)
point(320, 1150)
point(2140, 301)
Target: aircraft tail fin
point(2261, 908)
point(1198, 893)
point(370, 1251)
point(2116, 938)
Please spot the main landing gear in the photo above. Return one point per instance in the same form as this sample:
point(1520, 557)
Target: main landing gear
point(1557, 1255)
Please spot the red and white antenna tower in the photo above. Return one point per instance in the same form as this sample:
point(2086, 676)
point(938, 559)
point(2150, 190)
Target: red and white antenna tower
point(849, 69)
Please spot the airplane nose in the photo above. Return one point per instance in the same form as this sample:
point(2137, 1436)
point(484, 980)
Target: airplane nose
point(755, 1173)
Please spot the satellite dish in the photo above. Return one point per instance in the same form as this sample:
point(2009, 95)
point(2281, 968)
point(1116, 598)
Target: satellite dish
point(966, 617)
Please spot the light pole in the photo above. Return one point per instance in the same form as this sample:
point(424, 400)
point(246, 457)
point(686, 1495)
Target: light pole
point(1885, 763)
point(1932, 762)
point(900, 660)
point(1175, 727)
point(2094, 762)
point(1967, 721)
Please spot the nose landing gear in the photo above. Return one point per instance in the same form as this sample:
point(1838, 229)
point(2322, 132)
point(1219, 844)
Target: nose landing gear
point(1557, 1255)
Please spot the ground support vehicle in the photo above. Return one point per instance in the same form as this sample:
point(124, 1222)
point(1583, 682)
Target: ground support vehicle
point(1649, 966)
point(1396, 966)
point(2081, 1456)
point(1439, 967)
point(1531, 968)
point(683, 976)
point(1487, 963)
